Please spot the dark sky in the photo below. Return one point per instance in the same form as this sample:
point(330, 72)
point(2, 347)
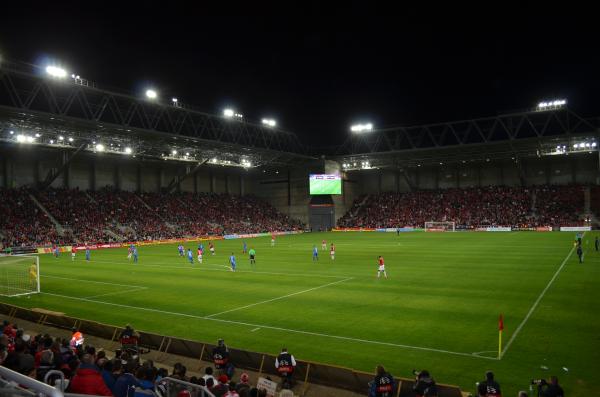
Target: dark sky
point(319, 70)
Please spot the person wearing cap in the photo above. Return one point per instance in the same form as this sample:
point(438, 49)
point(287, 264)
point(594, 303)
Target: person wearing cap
point(285, 364)
point(221, 361)
point(222, 387)
point(244, 384)
point(489, 387)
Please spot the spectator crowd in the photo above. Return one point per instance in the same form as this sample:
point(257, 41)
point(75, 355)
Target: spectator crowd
point(470, 207)
point(105, 215)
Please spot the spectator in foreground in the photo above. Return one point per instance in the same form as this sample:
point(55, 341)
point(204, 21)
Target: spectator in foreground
point(550, 388)
point(208, 374)
point(243, 387)
point(126, 383)
point(383, 384)
point(87, 379)
point(425, 385)
point(221, 388)
point(489, 387)
point(522, 394)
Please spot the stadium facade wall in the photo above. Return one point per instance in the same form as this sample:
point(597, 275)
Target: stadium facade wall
point(553, 170)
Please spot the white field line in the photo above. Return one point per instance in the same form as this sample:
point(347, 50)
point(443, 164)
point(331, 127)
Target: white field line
point(117, 292)
point(202, 267)
point(537, 301)
point(319, 334)
point(280, 297)
point(92, 281)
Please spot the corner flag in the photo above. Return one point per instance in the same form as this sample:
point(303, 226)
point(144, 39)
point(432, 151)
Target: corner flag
point(500, 329)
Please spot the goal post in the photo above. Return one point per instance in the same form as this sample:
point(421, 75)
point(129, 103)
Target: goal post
point(19, 275)
point(440, 226)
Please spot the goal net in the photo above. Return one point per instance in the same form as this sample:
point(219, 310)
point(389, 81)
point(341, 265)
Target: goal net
point(439, 226)
point(19, 275)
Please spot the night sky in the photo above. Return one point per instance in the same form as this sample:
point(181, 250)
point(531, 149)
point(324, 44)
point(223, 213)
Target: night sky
point(317, 71)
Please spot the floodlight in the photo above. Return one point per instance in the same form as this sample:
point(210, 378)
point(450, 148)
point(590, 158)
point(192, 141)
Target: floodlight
point(174, 152)
point(174, 100)
point(269, 122)
point(51, 141)
point(61, 138)
point(593, 144)
point(151, 94)
point(361, 127)
point(21, 138)
point(70, 139)
point(29, 139)
point(575, 146)
point(100, 147)
point(12, 132)
point(128, 150)
point(55, 71)
point(228, 112)
point(187, 154)
point(37, 135)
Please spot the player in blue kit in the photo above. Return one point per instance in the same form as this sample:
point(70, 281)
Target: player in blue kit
point(245, 248)
point(87, 254)
point(190, 256)
point(232, 262)
point(135, 254)
point(180, 249)
point(315, 254)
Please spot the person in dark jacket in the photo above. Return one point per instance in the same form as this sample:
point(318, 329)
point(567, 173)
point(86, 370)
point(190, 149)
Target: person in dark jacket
point(87, 379)
point(127, 382)
point(383, 384)
point(489, 387)
point(425, 385)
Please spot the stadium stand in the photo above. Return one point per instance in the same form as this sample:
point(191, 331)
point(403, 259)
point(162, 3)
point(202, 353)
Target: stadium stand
point(470, 207)
point(94, 217)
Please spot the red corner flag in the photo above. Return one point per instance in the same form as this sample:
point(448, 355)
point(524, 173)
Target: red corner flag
point(501, 323)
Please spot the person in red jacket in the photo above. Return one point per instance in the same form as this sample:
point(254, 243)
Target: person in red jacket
point(88, 380)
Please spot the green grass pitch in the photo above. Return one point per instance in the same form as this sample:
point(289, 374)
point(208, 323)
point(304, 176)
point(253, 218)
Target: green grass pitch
point(438, 310)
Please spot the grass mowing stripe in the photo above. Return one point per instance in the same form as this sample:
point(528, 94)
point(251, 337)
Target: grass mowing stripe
point(347, 338)
point(226, 269)
point(92, 281)
point(537, 301)
point(279, 297)
point(117, 292)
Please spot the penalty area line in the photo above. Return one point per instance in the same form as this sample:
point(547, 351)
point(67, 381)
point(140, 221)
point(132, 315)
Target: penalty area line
point(537, 301)
point(296, 331)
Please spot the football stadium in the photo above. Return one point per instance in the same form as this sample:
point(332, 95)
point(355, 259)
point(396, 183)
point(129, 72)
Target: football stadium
point(151, 248)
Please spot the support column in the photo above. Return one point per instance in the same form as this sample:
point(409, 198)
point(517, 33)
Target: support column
point(457, 177)
point(227, 184)
point(36, 172)
point(161, 177)
point(289, 190)
point(195, 182)
point(5, 172)
point(67, 171)
point(93, 175)
point(242, 187)
point(397, 181)
point(117, 176)
point(547, 171)
point(379, 178)
point(573, 171)
point(138, 178)
point(212, 182)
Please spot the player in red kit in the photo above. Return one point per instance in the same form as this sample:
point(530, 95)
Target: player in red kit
point(332, 251)
point(324, 245)
point(272, 239)
point(381, 267)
